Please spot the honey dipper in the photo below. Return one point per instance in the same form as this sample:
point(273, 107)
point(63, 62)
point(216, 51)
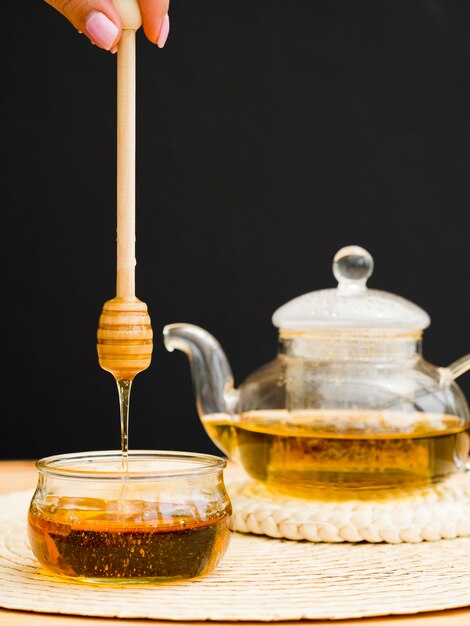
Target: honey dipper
point(124, 338)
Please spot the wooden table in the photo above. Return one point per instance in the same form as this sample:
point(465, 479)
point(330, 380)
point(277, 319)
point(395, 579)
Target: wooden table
point(17, 475)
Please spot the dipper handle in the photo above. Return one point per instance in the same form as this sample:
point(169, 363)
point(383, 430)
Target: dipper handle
point(124, 329)
point(129, 10)
point(125, 276)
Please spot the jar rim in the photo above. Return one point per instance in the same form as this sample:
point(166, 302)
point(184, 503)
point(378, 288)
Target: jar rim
point(78, 465)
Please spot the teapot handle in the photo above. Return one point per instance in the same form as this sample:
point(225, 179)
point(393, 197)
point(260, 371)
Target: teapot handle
point(459, 367)
point(456, 369)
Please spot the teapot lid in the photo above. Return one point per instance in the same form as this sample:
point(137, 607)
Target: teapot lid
point(351, 304)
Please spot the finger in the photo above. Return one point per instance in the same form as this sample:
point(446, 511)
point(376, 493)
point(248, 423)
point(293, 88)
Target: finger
point(155, 20)
point(98, 19)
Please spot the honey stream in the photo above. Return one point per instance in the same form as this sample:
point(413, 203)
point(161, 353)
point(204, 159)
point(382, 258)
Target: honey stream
point(124, 390)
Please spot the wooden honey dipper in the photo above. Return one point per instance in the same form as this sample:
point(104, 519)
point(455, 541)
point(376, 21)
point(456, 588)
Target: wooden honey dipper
point(125, 338)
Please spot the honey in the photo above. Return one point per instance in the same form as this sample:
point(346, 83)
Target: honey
point(123, 541)
point(304, 452)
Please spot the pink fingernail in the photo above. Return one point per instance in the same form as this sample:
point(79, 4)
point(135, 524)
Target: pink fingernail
point(164, 30)
point(101, 29)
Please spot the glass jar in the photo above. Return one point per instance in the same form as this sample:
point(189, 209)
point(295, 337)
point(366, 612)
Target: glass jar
point(166, 518)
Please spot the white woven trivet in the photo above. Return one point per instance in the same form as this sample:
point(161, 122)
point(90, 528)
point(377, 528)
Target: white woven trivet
point(438, 512)
point(259, 579)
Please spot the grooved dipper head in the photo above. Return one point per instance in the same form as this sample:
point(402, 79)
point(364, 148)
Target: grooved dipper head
point(125, 338)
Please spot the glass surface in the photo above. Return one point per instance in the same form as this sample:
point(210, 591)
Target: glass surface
point(348, 404)
point(166, 518)
point(328, 419)
point(351, 304)
point(334, 411)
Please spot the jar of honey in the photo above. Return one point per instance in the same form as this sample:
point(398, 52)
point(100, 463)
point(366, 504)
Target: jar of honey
point(166, 516)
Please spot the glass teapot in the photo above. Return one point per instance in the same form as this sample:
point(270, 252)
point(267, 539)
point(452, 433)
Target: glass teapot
point(348, 403)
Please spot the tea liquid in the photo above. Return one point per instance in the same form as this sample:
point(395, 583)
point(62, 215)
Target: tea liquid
point(300, 453)
point(94, 540)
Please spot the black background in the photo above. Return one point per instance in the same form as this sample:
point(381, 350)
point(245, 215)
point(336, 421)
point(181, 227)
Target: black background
point(269, 135)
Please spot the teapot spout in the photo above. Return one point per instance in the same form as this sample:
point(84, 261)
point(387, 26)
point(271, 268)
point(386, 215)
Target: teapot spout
point(210, 370)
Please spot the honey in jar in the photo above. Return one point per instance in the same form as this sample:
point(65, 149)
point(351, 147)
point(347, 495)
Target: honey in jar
point(153, 524)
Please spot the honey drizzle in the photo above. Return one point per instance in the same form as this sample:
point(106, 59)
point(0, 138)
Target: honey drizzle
point(124, 390)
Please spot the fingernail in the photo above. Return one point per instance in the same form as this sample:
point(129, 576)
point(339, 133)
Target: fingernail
point(164, 30)
point(113, 50)
point(101, 29)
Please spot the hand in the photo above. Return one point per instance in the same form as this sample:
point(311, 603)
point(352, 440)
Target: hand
point(101, 23)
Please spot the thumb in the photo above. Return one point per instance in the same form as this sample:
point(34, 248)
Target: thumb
point(98, 19)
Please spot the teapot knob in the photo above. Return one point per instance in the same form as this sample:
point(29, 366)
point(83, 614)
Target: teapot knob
point(352, 266)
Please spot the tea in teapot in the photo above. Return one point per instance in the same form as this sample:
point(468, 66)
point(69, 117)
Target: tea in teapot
point(349, 403)
point(298, 453)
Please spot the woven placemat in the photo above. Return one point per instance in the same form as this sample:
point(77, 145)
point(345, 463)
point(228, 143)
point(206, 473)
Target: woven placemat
point(259, 578)
point(441, 511)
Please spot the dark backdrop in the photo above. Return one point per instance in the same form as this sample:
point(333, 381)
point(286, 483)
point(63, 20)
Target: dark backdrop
point(270, 134)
